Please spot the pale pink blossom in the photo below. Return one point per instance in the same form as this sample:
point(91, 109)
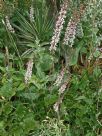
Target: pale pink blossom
point(56, 107)
point(59, 77)
point(62, 88)
point(8, 25)
point(59, 26)
point(28, 73)
point(57, 104)
point(70, 33)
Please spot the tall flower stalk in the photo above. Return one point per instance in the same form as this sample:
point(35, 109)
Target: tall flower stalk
point(56, 106)
point(62, 88)
point(61, 91)
point(31, 13)
point(28, 73)
point(70, 32)
point(8, 25)
point(60, 77)
point(59, 26)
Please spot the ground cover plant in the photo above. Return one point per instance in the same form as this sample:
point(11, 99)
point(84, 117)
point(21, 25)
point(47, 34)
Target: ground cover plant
point(50, 67)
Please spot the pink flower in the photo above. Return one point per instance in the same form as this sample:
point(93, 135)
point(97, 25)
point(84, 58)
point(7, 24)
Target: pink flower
point(28, 73)
point(70, 33)
point(59, 26)
point(59, 77)
point(62, 88)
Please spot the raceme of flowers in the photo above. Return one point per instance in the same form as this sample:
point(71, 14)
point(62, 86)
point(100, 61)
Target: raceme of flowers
point(79, 31)
point(61, 92)
point(8, 25)
point(70, 32)
point(62, 88)
point(72, 25)
point(59, 26)
point(57, 104)
point(31, 13)
point(60, 77)
point(28, 73)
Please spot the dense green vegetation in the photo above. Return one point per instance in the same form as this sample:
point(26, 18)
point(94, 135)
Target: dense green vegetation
point(50, 67)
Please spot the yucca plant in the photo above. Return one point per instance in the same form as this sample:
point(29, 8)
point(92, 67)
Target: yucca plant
point(39, 28)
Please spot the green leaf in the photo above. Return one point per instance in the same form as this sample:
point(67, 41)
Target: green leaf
point(50, 99)
point(29, 123)
point(1, 56)
point(1, 124)
point(97, 72)
point(7, 108)
point(74, 58)
point(39, 73)
point(30, 96)
point(7, 91)
point(45, 61)
point(21, 87)
point(2, 69)
point(83, 50)
point(81, 98)
point(96, 54)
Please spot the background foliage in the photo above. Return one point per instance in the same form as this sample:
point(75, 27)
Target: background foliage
point(27, 109)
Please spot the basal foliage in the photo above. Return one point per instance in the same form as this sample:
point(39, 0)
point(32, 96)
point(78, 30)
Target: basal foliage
point(46, 92)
